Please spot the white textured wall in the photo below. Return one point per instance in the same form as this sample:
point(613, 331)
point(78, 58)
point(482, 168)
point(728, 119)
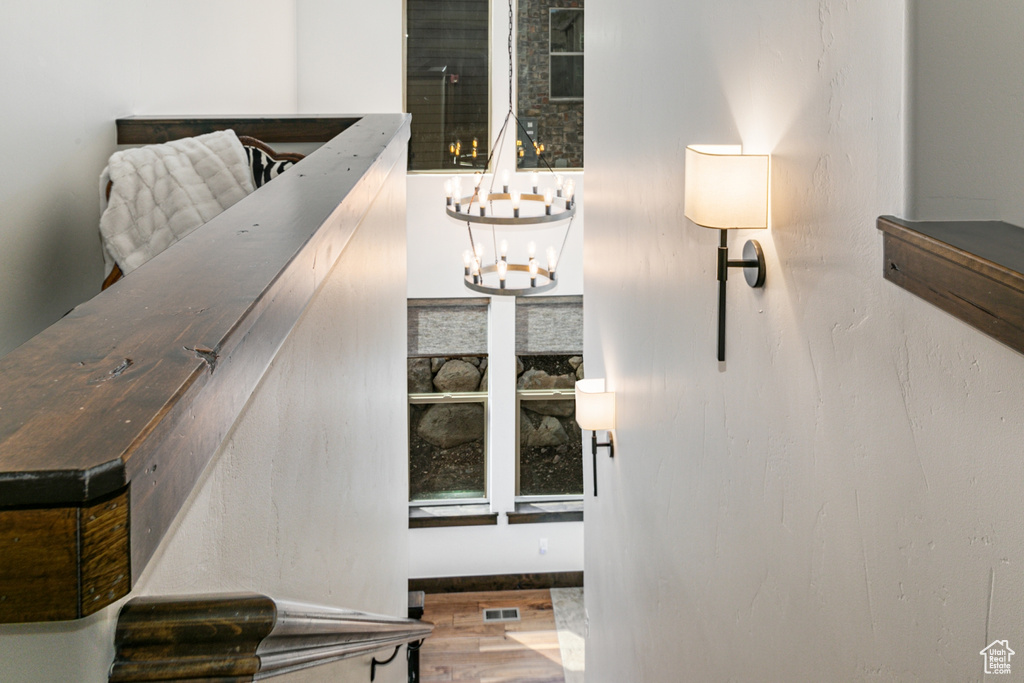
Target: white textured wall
point(306, 499)
point(841, 499)
point(349, 56)
point(967, 122)
point(68, 69)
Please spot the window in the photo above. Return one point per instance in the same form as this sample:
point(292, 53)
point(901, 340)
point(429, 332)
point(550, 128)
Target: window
point(549, 453)
point(550, 85)
point(447, 83)
point(566, 40)
point(447, 378)
point(448, 436)
point(452, 445)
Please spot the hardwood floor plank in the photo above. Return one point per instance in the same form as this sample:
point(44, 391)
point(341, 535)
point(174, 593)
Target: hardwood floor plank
point(465, 649)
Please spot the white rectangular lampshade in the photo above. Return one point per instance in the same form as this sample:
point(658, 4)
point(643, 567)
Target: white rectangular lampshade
point(726, 188)
point(595, 407)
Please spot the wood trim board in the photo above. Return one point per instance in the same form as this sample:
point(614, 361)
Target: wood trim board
point(149, 130)
point(497, 582)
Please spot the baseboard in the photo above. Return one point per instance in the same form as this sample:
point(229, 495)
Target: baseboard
point(497, 582)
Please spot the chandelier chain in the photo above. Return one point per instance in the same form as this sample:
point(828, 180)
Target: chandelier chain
point(511, 18)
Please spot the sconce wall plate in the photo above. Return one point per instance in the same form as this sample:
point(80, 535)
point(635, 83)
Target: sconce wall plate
point(752, 252)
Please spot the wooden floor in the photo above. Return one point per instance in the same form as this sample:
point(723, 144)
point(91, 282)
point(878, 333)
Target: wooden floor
point(464, 648)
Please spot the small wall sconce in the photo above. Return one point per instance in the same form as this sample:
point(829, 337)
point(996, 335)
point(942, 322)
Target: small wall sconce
point(726, 189)
point(595, 409)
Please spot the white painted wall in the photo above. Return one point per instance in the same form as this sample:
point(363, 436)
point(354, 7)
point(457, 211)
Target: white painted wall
point(840, 499)
point(306, 499)
point(68, 70)
point(349, 56)
point(967, 125)
point(435, 246)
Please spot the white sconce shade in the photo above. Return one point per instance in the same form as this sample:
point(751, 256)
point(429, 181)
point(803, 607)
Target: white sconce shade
point(725, 188)
point(595, 407)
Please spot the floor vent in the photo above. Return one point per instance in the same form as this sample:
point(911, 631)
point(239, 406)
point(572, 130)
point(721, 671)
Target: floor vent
point(503, 614)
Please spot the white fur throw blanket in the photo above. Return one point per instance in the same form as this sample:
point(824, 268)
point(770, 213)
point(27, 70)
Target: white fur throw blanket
point(163, 192)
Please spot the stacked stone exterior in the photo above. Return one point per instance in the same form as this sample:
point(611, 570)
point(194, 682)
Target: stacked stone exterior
point(559, 123)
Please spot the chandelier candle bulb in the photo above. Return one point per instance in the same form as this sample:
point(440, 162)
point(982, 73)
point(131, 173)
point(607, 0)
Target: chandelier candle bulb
point(467, 260)
point(531, 249)
point(558, 183)
point(515, 204)
point(535, 181)
point(548, 198)
point(533, 272)
point(502, 272)
point(552, 262)
point(448, 192)
point(504, 250)
point(504, 181)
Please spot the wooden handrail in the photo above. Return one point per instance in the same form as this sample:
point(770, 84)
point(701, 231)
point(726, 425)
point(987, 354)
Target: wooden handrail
point(244, 637)
point(108, 417)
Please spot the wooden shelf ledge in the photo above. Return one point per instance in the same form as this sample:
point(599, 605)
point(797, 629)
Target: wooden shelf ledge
point(244, 637)
point(126, 399)
point(973, 270)
point(547, 512)
point(430, 516)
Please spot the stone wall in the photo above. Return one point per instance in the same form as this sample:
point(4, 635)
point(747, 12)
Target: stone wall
point(559, 123)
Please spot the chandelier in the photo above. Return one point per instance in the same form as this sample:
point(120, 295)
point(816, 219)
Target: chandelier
point(495, 210)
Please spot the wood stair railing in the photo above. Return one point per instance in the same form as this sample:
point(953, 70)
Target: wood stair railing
point(244, 637)
point(109, 416)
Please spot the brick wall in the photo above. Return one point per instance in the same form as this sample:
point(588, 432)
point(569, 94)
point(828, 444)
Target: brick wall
point(559, 123)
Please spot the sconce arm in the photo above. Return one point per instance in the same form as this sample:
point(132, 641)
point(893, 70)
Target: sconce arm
point(594, 445)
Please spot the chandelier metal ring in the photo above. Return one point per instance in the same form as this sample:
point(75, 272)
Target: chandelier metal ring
point(470, 210)
point(493, 268)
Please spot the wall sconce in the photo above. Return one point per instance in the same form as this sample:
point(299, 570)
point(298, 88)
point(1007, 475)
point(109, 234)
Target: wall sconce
point(726, 189)
point(595, 409)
